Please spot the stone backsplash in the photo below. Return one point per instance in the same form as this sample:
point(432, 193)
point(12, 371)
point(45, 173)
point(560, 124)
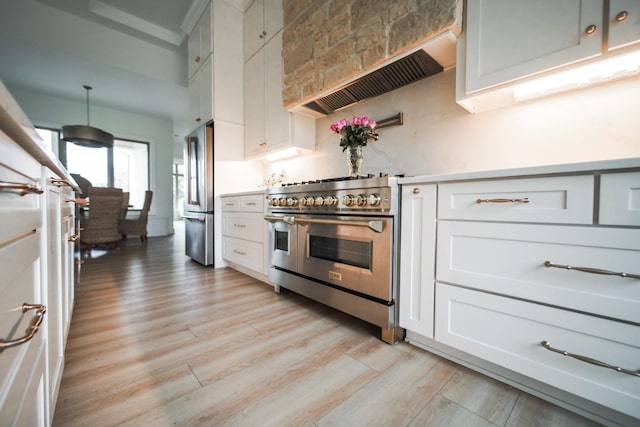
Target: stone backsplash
point(327, 42)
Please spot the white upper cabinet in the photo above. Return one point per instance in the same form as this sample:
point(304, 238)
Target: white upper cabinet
point(624, 23)
point(507, 40)
point(200, 44)
point(262, 20)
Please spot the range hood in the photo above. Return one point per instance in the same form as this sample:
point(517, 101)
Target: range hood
point(435, 56)
point(402, 72)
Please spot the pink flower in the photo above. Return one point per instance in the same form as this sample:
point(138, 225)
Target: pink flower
point(373, 124)
point(364, 120)
point(356, 120)
point(342, 123)
point(334, 127)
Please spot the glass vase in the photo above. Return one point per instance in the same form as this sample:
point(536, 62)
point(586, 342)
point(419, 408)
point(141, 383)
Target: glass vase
point(354, 160)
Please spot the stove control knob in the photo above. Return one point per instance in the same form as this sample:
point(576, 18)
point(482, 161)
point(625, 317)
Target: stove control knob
point(292, 201)
point(282, 201)
point(361, 200)
point(272, 201)
point(308, 201)
point(319, 201)
point(374, 199)
point(330, 200)
point(348, 200)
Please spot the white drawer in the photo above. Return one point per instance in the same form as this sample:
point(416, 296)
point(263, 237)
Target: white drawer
point(509, 333)
point(620, 198)
point(19, 283)
point(243, 203)
point(509, 259)
point(242, 252)
point(242, 225)
point(566, 199)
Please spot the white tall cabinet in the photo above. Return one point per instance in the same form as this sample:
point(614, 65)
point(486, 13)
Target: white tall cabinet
point(505, 271)
point(268, 126)
point(215, 62)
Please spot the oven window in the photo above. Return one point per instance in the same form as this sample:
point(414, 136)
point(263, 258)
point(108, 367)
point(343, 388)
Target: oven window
point(282, 241)
point(350, 252)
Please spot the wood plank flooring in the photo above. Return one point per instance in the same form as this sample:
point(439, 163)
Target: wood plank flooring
point(158, 340)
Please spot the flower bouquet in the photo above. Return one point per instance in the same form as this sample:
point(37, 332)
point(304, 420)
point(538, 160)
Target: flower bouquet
point(354, 136)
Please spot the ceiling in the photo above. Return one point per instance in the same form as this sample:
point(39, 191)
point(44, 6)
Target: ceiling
point(163, 23)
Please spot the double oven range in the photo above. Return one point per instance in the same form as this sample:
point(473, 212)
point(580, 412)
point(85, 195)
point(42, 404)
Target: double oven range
point(334, 241)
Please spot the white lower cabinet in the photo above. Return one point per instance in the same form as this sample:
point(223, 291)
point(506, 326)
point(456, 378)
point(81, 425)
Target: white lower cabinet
point(243, 233)
point(493, 266)
point(510, 333)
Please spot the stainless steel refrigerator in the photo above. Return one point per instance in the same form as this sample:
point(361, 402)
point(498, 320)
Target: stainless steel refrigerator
point(198, 198)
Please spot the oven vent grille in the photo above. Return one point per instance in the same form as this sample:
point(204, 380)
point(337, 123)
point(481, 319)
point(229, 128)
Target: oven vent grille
point(409, 69)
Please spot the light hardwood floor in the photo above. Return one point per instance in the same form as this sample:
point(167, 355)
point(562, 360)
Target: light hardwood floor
point(157, 340)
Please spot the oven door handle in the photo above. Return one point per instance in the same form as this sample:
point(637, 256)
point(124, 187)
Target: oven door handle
point(288, 219)
point(376, 226)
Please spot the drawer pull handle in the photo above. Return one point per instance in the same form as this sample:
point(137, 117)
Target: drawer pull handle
point(525, 200)
point(35, 323)
point(621, 16)
point(73, 238)
point(20, 188)
point(235, 251)
point(77, 201)
point(547, 345)
point(239, 225)
point(251, 203)
point(592, 270)
point(59, 182)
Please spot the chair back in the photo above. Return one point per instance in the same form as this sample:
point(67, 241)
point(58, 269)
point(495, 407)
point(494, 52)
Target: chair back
point(105, 204)
point(148, 196)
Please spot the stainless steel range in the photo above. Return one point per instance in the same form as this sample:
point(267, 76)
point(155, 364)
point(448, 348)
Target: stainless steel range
point(334, 241)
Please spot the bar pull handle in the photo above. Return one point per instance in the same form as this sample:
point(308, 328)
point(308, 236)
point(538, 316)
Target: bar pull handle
point(77, 201)
point(376, 226)
point(35, 323)
point(524, 200)
point(20, 188)
point(240, 225)
point(546, 344)
point(59, 182)
point(592, 270)
point(235, 251)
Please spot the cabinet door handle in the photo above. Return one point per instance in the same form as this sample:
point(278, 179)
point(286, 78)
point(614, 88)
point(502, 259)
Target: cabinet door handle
point(197, 59)
point(20, 188)
point(416, 191)
point(525, 200)
point(547, 345)
point(240, 225)
point(592, 270)
point(262, 145)
point(198, 119)
point(35, 323)
point(251, 203)
point(621, 16)
point(235, 251)
point(590, 29)
point(73, 238)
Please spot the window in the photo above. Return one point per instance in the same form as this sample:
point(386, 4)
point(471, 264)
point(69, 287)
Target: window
point(125, 165)
point(178, 190)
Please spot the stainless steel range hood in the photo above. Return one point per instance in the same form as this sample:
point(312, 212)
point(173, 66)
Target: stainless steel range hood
point(435, 56)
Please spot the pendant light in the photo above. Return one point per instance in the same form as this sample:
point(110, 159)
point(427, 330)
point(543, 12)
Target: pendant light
point(87, 136)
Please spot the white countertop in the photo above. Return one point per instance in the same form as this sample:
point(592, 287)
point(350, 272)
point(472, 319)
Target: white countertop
point(244, 193)
point(602, 165)
point(14, 123)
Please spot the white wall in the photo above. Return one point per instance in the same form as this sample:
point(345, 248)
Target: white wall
point(44, 110)
point(441, 137)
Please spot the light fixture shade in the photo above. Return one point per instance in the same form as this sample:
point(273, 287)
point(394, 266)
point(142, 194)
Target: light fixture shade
point(87, 136)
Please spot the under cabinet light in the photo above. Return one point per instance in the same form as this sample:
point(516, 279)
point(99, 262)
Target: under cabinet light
point(587, 75)
point(284, 154)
